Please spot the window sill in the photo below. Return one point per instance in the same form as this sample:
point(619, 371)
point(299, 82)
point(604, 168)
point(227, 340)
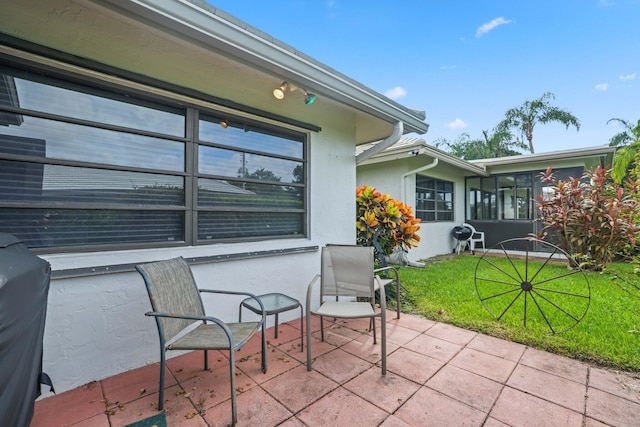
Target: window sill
point(66, 266)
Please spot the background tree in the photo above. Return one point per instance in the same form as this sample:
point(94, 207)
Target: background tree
point(626, 136)
point(498, 143)
point(525, 117)
point(626, 164)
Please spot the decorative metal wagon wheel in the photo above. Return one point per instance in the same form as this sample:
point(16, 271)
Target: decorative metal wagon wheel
point(547, 291)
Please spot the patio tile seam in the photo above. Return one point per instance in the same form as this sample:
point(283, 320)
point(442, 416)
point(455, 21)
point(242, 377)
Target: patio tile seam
point(503, 385)
point(302, 409)
point(586, 390)
point(546, 399)
point(603, 390)
point(616, 396)
point(502, 382)
point(485, 411)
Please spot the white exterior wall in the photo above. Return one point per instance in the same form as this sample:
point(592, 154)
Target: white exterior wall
point(386, 177)
point(96, 325)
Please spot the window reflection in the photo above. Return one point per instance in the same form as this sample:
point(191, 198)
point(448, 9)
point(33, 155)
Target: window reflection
point(87, 169)
point(49, 96)
point(434, 199)
point(65, 141)
point(237, 164)
point(245, 137)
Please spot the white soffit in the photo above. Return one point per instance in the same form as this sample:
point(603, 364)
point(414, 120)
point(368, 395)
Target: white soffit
point(205, 24)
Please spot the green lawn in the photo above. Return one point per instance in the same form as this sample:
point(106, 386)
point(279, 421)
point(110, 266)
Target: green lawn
point(608, 333)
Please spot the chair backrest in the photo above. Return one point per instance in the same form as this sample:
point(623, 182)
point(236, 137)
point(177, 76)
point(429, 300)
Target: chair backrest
point(172, 290)
point(472, 228)
point(347, 270)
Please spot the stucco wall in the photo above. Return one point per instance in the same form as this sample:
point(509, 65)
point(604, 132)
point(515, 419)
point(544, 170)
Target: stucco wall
point(96, 326)
point(386, 178)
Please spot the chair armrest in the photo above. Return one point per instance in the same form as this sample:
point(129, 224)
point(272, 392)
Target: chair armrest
point(195, 318)
point(386, 269)
point(222, 291)
point(309, 291)
point(383, 297)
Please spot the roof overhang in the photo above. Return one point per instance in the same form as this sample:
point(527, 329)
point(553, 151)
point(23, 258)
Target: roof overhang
point(412, 147)
point(210, 26)
point(192, 45)
point(574, 154)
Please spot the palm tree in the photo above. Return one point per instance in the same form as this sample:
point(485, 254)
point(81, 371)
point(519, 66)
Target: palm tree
point(499, 143)
point(626, 136)
point(627, 160)
point(525, 117)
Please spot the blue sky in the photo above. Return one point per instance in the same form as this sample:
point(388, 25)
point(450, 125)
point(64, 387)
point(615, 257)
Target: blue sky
point(466, 62)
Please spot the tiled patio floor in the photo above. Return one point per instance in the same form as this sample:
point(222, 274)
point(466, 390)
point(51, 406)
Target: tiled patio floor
point(438, 375)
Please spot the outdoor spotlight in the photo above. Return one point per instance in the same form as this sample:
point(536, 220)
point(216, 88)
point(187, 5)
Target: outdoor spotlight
point(224, 124)
point(309, 98)
point(278, 92)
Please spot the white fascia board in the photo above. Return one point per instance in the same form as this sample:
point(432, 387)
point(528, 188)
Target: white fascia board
point(580, 153)
point(393, 153)
point(213, 28)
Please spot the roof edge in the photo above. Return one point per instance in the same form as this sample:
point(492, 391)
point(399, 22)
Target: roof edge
point(551, 155)
point(216, 29)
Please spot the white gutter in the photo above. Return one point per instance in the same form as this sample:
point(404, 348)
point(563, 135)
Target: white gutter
point(433, 164)
point(395, 136)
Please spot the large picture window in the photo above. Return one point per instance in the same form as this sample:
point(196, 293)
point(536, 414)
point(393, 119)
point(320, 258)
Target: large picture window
point(434, 199)
point(89, 169)
point(508, 196)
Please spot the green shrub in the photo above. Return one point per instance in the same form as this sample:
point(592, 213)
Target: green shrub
point(590, 217)
point(389, 221)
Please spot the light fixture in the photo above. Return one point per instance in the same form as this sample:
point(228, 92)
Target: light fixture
point(280, 90)
point(224, 124)
point(309, 98)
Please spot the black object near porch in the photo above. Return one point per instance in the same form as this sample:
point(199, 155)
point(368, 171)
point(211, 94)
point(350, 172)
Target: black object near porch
point(24, 289)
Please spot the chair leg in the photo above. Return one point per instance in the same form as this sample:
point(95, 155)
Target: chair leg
point(398, 297)
point(232, 374)
point(161, 391)
point(308, 339)
point(301, 329)
point(374, 329)
point(206, 361)
point(321, 328)
point(383, 332)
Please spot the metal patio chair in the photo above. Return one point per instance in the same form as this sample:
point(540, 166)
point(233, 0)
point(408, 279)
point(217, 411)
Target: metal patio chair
point(177, 306)
point(346, 278)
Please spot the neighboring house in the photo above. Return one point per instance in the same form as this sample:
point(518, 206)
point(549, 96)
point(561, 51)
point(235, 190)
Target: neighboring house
point(134, 131)
point(496, 196)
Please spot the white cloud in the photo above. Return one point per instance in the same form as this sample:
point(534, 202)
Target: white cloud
point(395, 93)
point(485, 28)
point(457, 124)
point(631, 76)
point(602, 87)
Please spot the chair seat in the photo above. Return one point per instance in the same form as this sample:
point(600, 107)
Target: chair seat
point(345, 309)
point(212, 337)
